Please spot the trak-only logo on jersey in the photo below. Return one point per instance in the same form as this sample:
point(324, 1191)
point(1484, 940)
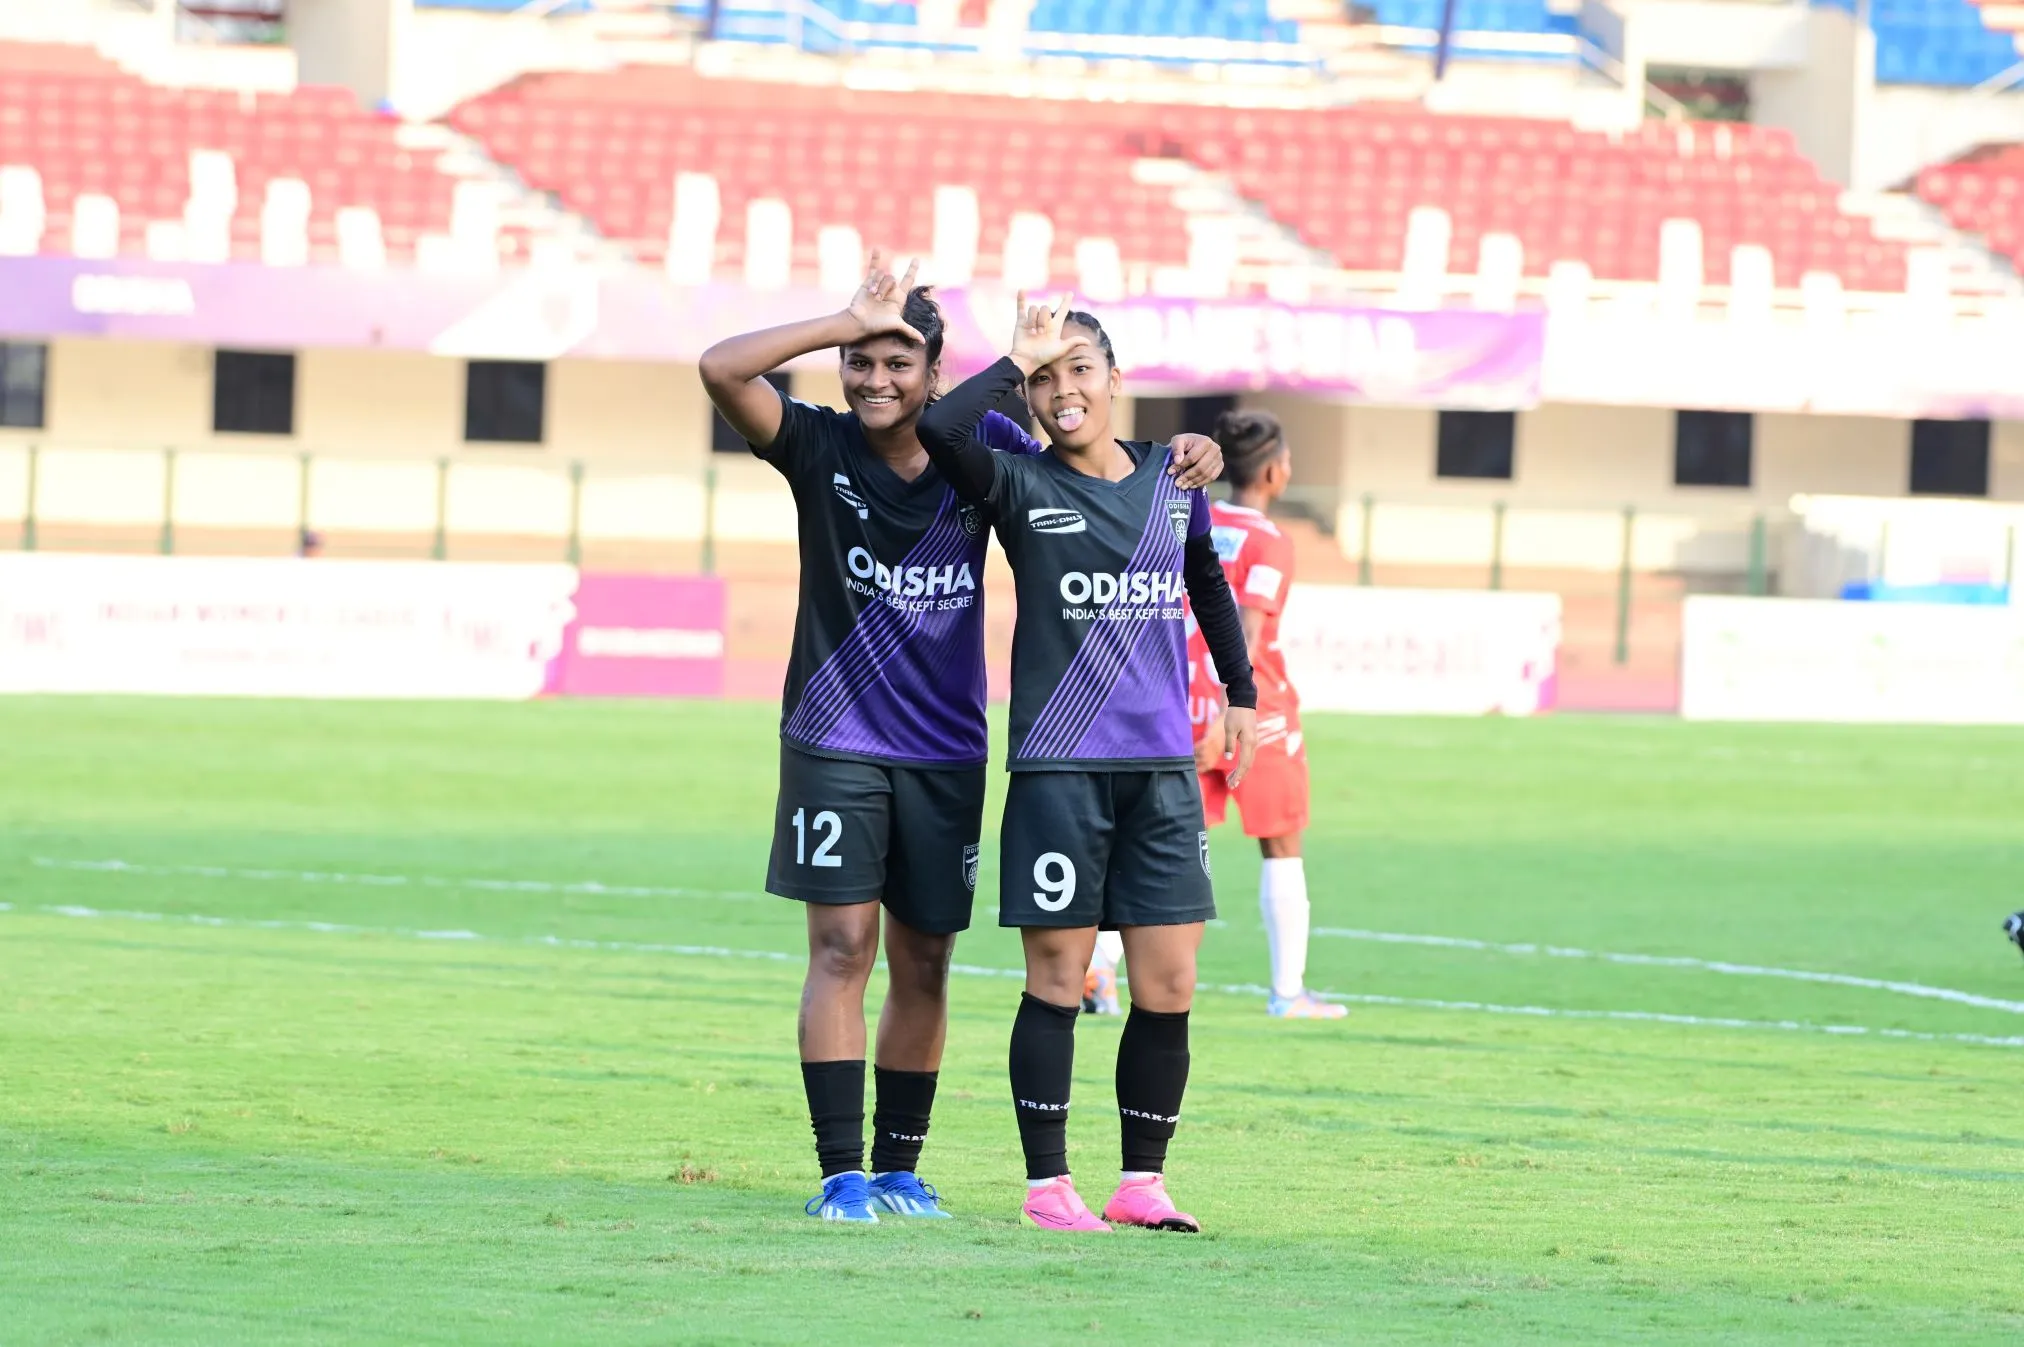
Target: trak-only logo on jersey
point(1052, 520)
point(848, 495)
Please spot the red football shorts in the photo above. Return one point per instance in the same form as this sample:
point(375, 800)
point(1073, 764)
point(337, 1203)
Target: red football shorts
point(1273, 798)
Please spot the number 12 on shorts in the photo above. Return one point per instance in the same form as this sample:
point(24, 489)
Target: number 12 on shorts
point(828, 827)
point(1055, 875)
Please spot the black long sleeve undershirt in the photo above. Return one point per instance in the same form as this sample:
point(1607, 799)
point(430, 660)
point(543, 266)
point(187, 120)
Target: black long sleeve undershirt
point(948, 430)
point(1216, 612)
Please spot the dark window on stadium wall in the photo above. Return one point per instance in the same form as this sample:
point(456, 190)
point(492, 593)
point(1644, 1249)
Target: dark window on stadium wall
point(1160, 419)
point(1712, 448)
point(24, 369)
point(1950, 458)
point(723, 439)
point(504, 401)
point(253, 392)
point(1476, 444)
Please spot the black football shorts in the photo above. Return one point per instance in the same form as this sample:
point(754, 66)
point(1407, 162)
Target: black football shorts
point(1104, 849)
point(860, 832)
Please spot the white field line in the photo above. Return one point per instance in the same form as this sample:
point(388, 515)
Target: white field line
point(976, 970)
point(1724, 967)
point(589, 886)
point(1746, 970)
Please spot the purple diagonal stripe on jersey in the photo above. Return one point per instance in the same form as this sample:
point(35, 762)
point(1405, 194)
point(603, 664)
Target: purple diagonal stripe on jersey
point(861, 664)
point(1106, 647)
point(1104, 650)
point(1145, 714)
point(881, 631)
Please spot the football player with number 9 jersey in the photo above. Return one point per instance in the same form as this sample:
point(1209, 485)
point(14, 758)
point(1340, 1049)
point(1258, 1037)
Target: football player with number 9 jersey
point(1103, 819)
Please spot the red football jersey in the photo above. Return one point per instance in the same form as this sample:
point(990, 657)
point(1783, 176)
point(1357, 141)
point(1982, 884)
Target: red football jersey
point(1258, 559)
point(1205, 690)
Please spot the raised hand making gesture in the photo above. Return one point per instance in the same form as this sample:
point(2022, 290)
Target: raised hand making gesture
point(879, 306)
point(1038, 338)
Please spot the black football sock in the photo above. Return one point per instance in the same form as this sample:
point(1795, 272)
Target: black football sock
point(899, 1120)
point(1043, 1064)
point(1152, 1075)
point(836, 1111)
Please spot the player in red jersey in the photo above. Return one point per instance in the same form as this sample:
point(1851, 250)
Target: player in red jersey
point(1258, 558)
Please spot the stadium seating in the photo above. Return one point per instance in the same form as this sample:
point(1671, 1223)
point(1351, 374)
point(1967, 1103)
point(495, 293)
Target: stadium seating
point(1226, 20)
point(1477, 16)
point(1983, 193)
point(1151, 30)
point(1949, 42)
point(609, 146)
point(86, 128)
point(1348, 180)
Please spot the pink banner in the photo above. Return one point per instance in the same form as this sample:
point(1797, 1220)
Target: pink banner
point(643, 636)
point(1443, 358)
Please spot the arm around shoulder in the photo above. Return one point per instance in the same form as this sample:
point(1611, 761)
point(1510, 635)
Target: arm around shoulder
point(948, 431)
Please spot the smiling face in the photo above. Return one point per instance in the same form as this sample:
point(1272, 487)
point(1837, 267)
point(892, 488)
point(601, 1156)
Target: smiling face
point(1071, 397)
point(886, 381)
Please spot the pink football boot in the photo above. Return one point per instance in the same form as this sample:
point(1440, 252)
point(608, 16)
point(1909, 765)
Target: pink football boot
point(1055, 1205)
point(1145, 1202)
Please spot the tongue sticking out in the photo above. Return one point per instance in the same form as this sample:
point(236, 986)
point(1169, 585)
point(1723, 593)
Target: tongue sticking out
point(1068, 418)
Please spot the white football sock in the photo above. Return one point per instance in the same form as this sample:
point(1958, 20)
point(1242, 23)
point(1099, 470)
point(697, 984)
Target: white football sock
point(1127, 1175)
point(1109, 951)
point(1282, 900)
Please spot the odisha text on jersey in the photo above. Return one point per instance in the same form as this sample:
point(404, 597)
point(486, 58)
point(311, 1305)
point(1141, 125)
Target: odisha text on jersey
point(913, 587)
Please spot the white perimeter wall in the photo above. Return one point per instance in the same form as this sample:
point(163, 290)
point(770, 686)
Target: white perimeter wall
point(375, 424)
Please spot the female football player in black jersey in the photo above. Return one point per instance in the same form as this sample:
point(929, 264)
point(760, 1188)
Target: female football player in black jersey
point(1103, 815)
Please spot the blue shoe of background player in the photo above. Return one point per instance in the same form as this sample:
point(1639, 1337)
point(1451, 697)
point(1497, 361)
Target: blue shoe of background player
point(844, 1197)
point(902, 1193)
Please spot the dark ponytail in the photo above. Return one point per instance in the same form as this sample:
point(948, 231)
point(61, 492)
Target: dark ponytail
point(924, 316)
point(1250, 441)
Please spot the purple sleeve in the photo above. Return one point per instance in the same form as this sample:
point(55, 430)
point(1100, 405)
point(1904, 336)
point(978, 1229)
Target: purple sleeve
point(1003, 435)
point(1198, 513)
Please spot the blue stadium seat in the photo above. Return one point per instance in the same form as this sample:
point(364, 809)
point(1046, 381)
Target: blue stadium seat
point(1477, 16)
point(1226, 20)
point(1937, 42)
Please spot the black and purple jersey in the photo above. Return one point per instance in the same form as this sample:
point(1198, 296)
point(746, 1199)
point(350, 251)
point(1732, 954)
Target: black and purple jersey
point(1101, 570)
point(1100, 653)
point(888, 657)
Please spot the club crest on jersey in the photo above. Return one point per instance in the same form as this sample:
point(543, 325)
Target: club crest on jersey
point(1049, 520)
point(1202, 844)
point(971, 520)
point(849, 497)
point(1178, 512)
point(970, 854)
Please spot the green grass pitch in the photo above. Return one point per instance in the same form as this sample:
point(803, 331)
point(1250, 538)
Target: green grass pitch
point(355, 1048)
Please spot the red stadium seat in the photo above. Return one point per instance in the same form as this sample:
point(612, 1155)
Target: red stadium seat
point(84, 124)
